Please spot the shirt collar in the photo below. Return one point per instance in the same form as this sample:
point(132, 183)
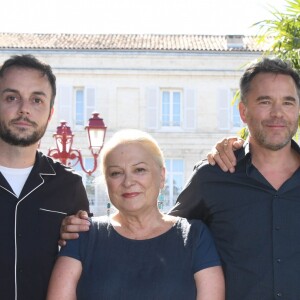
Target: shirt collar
point(245, 150)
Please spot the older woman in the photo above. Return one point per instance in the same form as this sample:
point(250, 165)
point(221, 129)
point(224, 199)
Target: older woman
point(139, 252)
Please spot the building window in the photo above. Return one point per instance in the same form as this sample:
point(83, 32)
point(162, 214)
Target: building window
point(171, 108)
point(79, 106)
point(84, 99)
point(75, 104)
point(173, 185)
point(88, 181)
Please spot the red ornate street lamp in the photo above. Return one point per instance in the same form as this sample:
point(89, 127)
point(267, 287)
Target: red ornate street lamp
point(64, 139)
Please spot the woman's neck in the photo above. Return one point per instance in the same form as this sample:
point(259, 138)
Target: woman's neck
point(140, 228)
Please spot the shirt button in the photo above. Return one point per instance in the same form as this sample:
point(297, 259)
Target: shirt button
point(277, 228)
point(278, 260)
point(279, 294)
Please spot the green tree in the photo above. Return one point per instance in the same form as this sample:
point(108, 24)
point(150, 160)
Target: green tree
point(282, 32)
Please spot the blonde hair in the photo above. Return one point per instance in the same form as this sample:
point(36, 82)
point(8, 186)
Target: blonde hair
point(129, 136)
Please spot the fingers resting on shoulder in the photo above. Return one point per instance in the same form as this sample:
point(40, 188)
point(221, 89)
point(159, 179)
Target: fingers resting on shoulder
point(72, 225)
point(223, 153)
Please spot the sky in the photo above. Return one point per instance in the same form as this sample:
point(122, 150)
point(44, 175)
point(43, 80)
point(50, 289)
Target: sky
point(207, 17)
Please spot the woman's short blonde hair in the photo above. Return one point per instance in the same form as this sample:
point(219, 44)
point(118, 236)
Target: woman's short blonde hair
point(128, 136)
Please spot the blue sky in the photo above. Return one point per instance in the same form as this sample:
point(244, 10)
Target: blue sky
point(136, 16)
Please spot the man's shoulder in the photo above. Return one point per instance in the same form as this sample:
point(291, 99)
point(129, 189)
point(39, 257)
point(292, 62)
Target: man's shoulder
point(49, 166)
point(204, 164)
point(201, 164)
point(203, 167)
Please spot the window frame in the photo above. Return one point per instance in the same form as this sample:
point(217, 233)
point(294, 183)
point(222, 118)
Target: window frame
point(166, 199)
point(171, 106)
point(82, 113)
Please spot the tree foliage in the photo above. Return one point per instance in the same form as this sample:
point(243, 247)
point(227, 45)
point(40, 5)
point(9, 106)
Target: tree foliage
point(284, 28)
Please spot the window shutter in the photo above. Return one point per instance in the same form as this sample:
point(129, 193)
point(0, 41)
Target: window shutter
point(189, 109)
point(223, 109)
point(152, 108)
point(90, 102)
point(63, 103)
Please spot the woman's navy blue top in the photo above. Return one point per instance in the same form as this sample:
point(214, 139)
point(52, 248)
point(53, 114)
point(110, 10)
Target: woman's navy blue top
point(163, 267)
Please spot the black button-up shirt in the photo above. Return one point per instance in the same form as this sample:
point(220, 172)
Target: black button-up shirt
point(256, 227)
point(30, 225)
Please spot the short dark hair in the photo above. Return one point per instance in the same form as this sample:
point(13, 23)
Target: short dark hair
point(31, 62)
point(267, 65)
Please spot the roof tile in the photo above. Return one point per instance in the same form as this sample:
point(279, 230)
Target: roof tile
point(129, 42)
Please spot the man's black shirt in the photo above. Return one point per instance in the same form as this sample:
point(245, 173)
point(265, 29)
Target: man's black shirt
point(256, 227)
point(30, 226)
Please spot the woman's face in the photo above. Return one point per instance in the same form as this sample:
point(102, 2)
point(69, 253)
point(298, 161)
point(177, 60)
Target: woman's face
point(133, 178)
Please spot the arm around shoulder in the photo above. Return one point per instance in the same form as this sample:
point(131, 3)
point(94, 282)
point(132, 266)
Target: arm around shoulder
point(72, 225)
point(223, 153)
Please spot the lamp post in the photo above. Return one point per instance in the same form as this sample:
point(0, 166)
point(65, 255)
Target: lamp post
point(64, 152)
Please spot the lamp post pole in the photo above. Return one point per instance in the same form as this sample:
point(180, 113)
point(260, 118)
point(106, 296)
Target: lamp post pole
point(64, 152)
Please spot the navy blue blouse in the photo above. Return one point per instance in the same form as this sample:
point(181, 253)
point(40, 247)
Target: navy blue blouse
point(160, 268)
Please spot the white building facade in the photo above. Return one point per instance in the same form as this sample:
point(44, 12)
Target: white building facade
point(177, 88)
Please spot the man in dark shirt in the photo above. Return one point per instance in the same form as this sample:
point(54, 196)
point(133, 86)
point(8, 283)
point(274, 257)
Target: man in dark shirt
point(254, 213)
point(36, 193)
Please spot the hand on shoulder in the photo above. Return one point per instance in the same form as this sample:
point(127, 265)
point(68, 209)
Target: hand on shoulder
point(222, 153)
point(72, 225)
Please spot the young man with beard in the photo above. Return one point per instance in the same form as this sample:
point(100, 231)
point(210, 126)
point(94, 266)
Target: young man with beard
point(254, 213)
point(36, 193)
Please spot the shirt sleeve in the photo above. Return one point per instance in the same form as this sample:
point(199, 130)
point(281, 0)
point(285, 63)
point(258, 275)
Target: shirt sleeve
point(206, 254)
point(189, 202)
point(72, 248)
point(81, 248)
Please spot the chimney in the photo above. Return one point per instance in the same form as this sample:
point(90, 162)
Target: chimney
point(235, 42)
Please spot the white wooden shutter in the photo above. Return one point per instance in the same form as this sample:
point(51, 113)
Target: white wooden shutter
point(189, 107)
point(152, 108)
point(90, 102)
point(223, 109)
point(63, 104)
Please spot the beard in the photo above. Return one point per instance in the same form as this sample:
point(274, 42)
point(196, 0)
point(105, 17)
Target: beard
point(15, 139)
point(262, 138)
point(262, 141)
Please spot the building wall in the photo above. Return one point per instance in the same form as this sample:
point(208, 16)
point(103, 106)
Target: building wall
point(128, 84)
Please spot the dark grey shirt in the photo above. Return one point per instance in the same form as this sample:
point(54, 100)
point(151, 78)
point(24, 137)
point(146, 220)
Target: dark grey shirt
point(160, 268)
point(256, 227)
